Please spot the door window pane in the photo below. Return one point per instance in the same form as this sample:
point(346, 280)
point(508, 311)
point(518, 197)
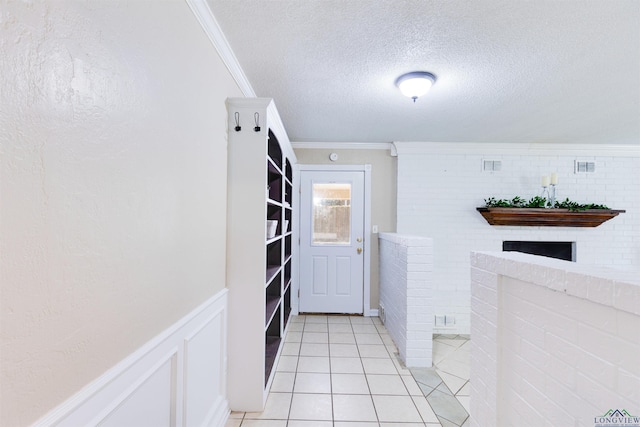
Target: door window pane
point(331, 214)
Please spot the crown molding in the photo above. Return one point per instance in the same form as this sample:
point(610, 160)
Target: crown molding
point(485, 148)
point(343, 145)
point(532, 149)
point(208, 22)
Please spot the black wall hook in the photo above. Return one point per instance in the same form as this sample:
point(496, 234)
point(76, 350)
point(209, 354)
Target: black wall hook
point(256, 117)
point(237, 128)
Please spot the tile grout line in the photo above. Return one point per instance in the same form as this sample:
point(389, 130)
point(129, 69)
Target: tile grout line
point(295, 374)
point(373, 403)
point(389, 353)
point(333, 411)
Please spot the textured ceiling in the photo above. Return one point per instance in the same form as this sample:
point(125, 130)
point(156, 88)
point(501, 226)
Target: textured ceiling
point(508, 71)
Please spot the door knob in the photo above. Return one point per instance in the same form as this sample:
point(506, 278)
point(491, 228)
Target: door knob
point(359, 250)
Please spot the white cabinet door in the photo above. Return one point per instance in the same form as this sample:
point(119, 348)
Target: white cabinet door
point(331, 242)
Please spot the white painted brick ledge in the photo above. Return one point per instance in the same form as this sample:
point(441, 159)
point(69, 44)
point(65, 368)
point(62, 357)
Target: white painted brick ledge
point(607, 286)
point(406, 240)
point(553, 342)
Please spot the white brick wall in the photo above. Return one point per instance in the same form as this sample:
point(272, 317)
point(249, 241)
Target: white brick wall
point(440, 187)
point(553, 342)
point(406, 264)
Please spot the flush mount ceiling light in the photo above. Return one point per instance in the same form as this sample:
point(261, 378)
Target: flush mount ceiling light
point(415, 84)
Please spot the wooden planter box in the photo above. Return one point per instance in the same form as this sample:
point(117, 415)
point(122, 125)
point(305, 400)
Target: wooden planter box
point(536, 217)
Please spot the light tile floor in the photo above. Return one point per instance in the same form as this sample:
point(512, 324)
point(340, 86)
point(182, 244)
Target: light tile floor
point(344, 371)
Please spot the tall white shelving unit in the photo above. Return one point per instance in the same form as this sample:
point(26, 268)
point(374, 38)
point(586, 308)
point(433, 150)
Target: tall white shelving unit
point(259, 188)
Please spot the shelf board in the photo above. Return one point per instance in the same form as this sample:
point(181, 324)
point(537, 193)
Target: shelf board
point(270, 353)
point(287, 315)
point(541, 217)
point(274, 239)
point(275, 167)
point(270, 307)
point(272, 270)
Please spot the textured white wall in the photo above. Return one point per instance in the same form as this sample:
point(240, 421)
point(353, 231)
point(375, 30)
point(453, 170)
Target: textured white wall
point(113, 187)
point(439, 188)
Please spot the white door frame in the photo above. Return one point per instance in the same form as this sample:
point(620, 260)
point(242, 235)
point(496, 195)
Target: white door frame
point(366, 294)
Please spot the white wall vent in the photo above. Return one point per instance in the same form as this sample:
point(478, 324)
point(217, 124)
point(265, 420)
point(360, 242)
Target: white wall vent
point(585, 166)
point(491, 165)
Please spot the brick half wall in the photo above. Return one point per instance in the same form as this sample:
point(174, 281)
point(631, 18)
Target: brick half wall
point(553, 342)
point(406, 299)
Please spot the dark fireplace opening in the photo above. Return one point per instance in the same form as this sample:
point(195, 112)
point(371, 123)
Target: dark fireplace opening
point(559, 250)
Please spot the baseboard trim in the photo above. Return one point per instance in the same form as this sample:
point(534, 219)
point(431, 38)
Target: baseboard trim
point(219, 414)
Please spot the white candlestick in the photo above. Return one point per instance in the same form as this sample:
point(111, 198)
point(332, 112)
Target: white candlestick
point(554, 178)
point(545, 181)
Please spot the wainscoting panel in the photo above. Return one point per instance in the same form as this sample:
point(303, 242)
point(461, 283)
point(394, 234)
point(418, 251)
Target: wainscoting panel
point(147, 403)
point(203, 362)
point(177, 379)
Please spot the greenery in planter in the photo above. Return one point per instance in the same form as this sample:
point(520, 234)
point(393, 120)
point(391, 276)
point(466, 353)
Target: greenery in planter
point(539, 202)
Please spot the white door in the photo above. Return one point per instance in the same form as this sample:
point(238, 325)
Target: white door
point(331, 242)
